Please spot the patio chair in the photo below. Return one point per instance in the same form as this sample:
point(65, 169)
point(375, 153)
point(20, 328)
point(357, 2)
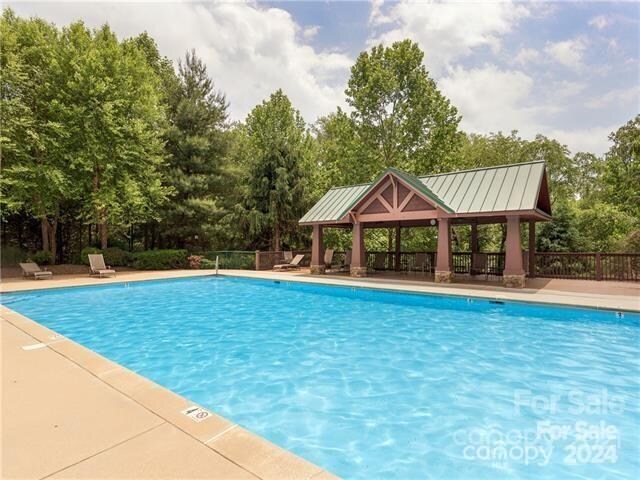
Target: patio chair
point(379, 261)
point(96, 262)
point(32, 269)
point(328, 257)
point(479, 265)
point(346, 262)
point(292, 265)
point(288, 256)
point(421, 263)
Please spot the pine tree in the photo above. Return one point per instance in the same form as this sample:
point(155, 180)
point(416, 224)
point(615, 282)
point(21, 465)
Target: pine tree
point(277, 170)
point(197, 144)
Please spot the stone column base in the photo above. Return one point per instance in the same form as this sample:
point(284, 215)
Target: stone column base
point(513, 281)
point(358, 271)
point(443, 276)
point(317, 269)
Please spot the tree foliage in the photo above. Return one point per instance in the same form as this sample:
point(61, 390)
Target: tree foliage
point(277, 169)
point(401, 118)
point(196, 143)
point(107, 134)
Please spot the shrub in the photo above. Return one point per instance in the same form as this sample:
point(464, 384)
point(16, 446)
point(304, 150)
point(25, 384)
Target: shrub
point(194, 261)
point(42, 257)
point(160, 259)
point(116, 257)
point(205, 263)
point(86, 251)
point(233, 259)
point(12, 255)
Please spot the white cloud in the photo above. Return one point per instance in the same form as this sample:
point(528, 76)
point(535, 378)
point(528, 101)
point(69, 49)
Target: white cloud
point(565, 89)
point(310, 32)
point(447, 31)
point(568, 52)
point(250, 50)
point(526, 56)
point(618, 97)
point(600, 22)
point(589, 139)
point(490, 99)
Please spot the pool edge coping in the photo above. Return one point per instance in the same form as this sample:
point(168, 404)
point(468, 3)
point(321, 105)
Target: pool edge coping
point(428, 290)
point(215, 432)
point(378, 285)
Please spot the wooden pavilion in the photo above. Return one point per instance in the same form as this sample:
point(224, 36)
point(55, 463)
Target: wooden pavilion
point(510, 194)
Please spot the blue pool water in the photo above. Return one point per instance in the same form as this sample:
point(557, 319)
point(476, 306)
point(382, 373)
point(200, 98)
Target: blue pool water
point(372, 384)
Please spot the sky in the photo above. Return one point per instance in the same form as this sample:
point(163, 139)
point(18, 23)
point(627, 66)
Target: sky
point(568, 70)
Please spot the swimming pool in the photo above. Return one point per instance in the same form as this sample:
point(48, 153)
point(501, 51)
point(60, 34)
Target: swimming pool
point(374, 384)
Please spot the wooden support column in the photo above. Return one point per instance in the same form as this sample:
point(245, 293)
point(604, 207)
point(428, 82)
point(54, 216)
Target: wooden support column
point(317, 251)
point(473, 243)
point(513, 275)
point(358, 254)
point(444, 271)
point(397, 247)
point(474, 238)
point(532, 249)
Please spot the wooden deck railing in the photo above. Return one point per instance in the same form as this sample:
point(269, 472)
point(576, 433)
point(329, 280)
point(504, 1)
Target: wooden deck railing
point(585, 266)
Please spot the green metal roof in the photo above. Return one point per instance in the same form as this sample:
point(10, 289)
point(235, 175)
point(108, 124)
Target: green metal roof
point(482, 190)
point(493, 189)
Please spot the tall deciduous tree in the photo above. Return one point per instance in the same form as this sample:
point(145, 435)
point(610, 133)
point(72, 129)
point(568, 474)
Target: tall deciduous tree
point(197, 144)
point(621, 174)
point(113, 114)
point(277, 169)
point(401, 117)
point(34, 148)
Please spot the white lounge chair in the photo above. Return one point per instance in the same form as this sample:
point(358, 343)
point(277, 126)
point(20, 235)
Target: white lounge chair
point(328, 257)
point(96, 262)
point(32, 269)
point(295, 263)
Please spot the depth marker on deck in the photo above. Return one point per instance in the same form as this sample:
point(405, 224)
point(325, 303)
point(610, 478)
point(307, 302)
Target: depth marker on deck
point(197, 414)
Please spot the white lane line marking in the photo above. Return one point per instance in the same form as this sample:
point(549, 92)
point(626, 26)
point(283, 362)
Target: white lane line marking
point(228, 429)
point(111, 370)
point(37, 346)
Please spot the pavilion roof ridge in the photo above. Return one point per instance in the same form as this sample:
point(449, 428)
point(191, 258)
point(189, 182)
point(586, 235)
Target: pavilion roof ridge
point(478, 169)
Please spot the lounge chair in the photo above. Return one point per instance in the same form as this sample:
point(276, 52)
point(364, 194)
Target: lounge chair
point(288, 256)
point(328, 257)
point(421, 263)
point(346, 264)
point(32, 269)
point(479, 264)
point(96, 262)
point(294, 264)
point(379, 261)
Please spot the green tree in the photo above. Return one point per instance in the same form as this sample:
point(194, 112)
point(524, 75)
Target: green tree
point(400, 116)
point(197, 144)
point(277, 170)
point(603, 227)
point(621, 169)
point(34, 140)
point(338, 156)
point(561, 234)
point(588, 173)
point(113, 114)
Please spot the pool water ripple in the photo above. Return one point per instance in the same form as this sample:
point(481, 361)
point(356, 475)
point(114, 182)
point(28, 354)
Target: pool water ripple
point(366, 384)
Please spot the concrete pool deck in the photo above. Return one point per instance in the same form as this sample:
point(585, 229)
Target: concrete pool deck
point(67, 412)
